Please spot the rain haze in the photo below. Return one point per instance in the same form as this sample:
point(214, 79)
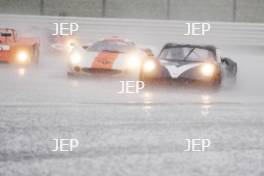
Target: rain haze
point(105, 132)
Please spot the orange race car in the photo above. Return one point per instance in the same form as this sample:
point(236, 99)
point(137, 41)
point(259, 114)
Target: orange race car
point(17, 50)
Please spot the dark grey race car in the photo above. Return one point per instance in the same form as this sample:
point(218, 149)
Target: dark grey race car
point(189, 63)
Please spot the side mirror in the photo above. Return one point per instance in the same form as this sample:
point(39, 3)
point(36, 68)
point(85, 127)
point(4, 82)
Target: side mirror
point(231, 66)
point(225, 60)
point(86, 47)
point(72, 44)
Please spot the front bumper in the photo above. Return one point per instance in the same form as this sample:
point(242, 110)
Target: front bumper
point(96, 72)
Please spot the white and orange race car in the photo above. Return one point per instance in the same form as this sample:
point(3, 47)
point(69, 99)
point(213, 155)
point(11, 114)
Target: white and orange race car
point(18, 50)
point(112, 56)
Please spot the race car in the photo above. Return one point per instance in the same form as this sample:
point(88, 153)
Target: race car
point(17, 50)
point(112, 56)
point(189, 64)
point(62, 44)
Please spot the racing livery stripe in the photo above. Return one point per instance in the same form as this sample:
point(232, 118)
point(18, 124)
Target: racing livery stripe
point(119, 63)
point(175, 71)
point(88, 59)
point(104, 60)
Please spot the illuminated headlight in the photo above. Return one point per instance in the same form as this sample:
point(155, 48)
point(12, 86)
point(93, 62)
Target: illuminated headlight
point(133, 61)
point(149, 66)
point(22, 56)
point(75, 58)
point(208, 70)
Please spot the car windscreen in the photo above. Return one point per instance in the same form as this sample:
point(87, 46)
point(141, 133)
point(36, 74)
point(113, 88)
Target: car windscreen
point(112, 46)
point(186, 54)
point(5, 34)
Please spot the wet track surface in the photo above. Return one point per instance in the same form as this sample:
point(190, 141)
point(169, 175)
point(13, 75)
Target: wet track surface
point(141, 134)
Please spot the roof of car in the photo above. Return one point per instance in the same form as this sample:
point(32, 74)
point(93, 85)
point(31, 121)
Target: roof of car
point(172, 45)
point(117, 39)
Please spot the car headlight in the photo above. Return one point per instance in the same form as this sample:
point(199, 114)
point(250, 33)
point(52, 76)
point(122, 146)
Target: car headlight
point(208, 70)
point(149, 66)
point(133, 61)
point(75, 58)
point(22, 57)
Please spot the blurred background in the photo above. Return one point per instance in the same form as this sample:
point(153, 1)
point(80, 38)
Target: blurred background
point(203, 10)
